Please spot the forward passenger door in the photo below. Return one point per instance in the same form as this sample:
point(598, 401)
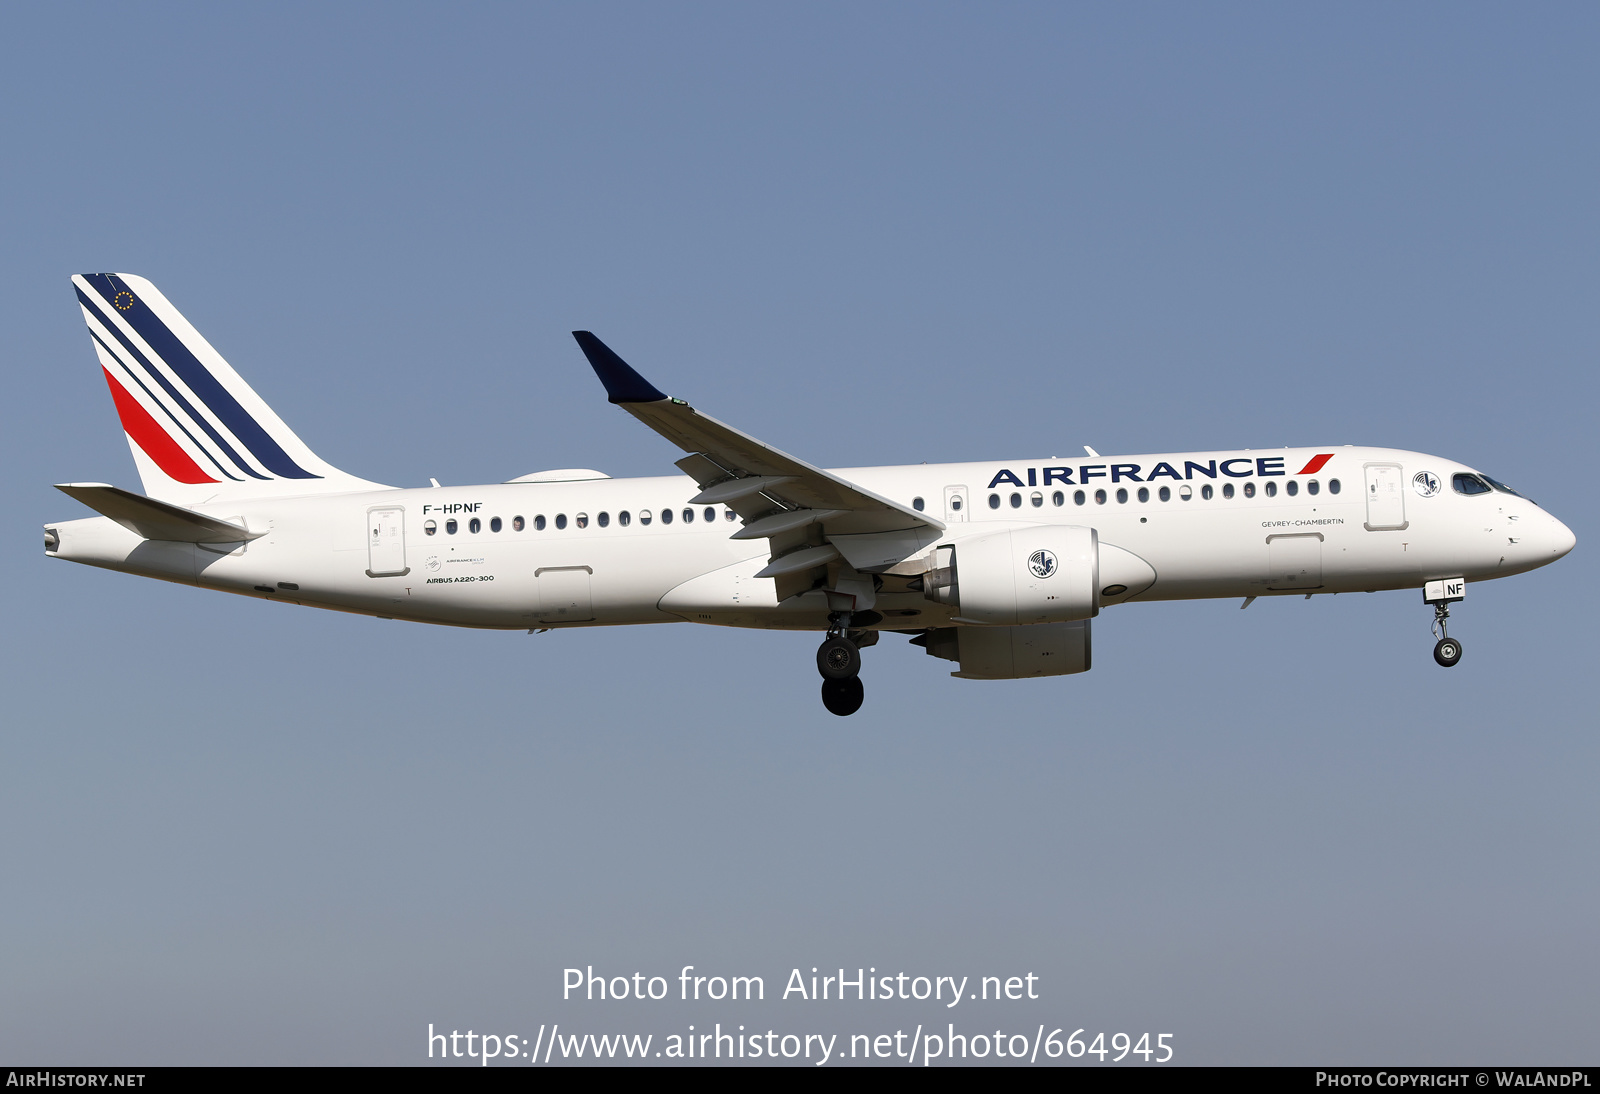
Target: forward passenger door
point(1386, 499)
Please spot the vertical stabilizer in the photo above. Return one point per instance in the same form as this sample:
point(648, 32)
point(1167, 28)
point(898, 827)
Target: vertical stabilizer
point(198, 432)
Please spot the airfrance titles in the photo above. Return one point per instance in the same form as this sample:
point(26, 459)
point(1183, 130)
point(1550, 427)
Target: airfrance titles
point(1240, 467)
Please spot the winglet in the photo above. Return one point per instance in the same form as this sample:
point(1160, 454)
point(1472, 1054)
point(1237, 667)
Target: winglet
point(623, 385)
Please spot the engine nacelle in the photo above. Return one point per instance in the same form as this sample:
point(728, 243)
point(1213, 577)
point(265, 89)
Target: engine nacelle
point(1013, 653)
point(1044, 574)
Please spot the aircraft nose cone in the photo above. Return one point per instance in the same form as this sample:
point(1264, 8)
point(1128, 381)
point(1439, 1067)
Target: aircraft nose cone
point(1561, 538)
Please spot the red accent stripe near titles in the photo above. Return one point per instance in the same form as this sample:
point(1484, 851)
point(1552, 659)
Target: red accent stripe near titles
point(152, 439)
point(1316, 464)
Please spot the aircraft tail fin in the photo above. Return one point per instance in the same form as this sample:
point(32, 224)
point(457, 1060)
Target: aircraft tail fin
point(198, 432)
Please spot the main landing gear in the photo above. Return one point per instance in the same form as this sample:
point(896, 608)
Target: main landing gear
point(1446, 651)
point(839, 662)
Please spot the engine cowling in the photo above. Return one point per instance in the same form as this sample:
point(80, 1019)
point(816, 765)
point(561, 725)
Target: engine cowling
point(1013, 653)
point(1044, 574)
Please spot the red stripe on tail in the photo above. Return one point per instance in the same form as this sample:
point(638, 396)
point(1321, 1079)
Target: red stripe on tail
point(149, 436)
point(1316, 464)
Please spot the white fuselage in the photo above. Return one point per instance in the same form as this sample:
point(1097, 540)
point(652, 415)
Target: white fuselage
point(1379, 531)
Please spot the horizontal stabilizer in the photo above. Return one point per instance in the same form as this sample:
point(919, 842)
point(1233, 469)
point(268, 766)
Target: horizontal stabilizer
point(154, 519)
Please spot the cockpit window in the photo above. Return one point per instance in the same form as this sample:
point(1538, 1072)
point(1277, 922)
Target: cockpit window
point(1468, 484)
point(1500, 486)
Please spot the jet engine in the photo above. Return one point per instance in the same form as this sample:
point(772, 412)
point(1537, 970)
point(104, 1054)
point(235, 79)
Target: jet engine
point(1044, 574)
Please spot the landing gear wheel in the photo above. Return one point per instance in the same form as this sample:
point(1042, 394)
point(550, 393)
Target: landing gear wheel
point(1447, 651)
point(843, 697)
point(839, 659)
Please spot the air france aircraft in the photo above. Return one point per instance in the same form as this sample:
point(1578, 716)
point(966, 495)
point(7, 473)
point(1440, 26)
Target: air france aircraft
point(999, 567)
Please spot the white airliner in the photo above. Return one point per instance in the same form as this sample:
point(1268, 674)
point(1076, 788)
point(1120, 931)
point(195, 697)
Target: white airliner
point(996, 566)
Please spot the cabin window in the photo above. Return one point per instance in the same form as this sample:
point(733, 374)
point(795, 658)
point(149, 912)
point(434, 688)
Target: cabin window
point(1227, 489)
point(1144, 493)
point(1058, 499)
point(474, 525)
point(624, 518)
point(1077, 497)
point(603, 520)
point(494, 524)
point(1249, 489)
point(1016, 501)
point(1205, 491)
point(561, 520)
point(727, 514)
point(955, 503)
point(1312, 487)
point(1165, 493)
point(1122, 495)
point(1037, 499)
point(711, 513)
point(1186, 492)
point(666, 516)
point(1291, 488)
point(538, 523)
point(450, 527)
point(517, 524)
point(917, 503)
point(688, 516)
point(994, 501)
point(1333, 486)
point(1271, 488)
point(644, 516)
point(581, 520)
point(430, 528)
point(1099, 497)
point(1469, 484)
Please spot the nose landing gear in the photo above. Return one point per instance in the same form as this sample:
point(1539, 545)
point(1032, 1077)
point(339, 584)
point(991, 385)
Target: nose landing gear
point(839, 662)
point(1446, 651)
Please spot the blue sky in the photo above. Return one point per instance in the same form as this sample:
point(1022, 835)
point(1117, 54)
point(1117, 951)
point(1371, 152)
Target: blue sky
point(240, 832)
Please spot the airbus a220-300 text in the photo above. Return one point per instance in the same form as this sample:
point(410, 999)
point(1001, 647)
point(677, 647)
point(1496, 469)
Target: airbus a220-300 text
point(998, 567)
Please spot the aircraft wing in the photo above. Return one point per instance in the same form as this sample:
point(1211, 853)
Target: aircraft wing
point(811, 516)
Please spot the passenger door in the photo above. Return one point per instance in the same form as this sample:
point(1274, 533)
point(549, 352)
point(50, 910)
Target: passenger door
point(1386, 499)
point(386, 542)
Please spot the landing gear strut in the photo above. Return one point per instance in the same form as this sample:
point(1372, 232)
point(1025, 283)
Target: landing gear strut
point(1446, 651)
point(839, 662)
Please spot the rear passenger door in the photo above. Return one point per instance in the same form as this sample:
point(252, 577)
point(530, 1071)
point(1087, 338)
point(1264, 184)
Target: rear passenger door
point(386, 542)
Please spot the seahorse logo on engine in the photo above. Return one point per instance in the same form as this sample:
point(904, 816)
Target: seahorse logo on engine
point(1042, 563)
